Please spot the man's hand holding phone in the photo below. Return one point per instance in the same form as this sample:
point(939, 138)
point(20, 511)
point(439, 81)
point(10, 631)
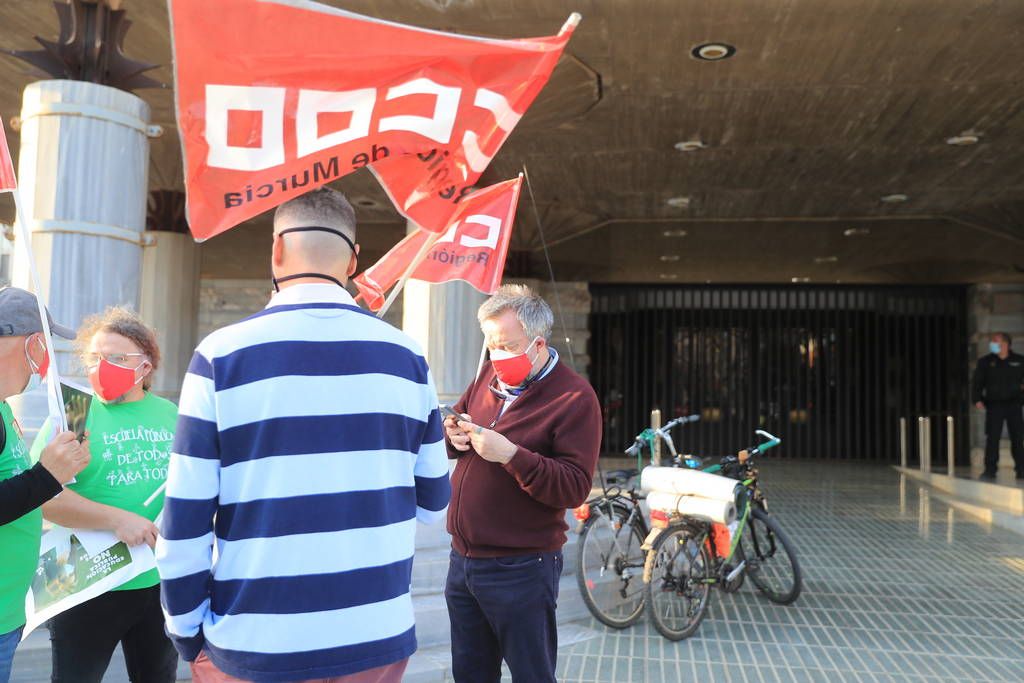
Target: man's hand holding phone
point(456, 436)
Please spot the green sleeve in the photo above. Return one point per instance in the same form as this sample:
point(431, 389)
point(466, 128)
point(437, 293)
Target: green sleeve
point(41, 441)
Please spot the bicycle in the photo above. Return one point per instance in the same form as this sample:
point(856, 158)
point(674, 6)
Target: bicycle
point(610, 558)
point(681, 564)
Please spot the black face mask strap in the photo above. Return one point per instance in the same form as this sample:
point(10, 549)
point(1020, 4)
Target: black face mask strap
point(286, 278)
point(314, 228)
point(320, 228)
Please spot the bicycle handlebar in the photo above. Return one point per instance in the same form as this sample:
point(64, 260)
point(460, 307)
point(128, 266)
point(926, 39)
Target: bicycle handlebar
point(772, 441)
point(680, 421)
point(639, 440)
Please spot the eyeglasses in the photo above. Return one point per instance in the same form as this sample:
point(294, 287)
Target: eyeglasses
point(91, 360)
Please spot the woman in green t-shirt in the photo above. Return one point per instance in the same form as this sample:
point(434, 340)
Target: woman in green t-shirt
point(130, 434)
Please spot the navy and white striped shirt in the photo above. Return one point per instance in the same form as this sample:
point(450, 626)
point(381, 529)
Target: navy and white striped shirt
point(308, 445)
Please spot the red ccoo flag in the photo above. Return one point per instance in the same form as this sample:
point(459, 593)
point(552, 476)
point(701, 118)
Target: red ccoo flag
point(7, 180)
point(473, 249)
point(297, 94)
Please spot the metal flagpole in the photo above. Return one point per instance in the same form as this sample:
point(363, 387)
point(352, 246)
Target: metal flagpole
point(551, 270)
point(483, 355)
point(420, 255)
point(54, 400)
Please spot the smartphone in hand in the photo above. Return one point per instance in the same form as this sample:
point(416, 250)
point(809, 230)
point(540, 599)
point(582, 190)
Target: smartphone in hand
point(448, 411)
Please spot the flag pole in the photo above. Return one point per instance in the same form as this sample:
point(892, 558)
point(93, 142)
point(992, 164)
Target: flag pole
point(420, 255)
point(483, 355)
point(54, 402)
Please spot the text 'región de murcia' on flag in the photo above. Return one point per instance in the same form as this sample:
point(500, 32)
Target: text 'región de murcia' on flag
point(297, 94)
point(474, 248)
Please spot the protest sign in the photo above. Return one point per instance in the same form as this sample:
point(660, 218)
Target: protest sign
point(76, 565)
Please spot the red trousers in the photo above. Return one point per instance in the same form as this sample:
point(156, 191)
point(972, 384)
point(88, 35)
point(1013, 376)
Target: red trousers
point(204, 671)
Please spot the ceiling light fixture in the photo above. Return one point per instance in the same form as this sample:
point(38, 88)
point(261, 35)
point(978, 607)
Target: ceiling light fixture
point(856, 232)
point(826, 259)
point(895, 198)
point(674, 233)
point(690, 145)
point(669, 258)
point(799, 279)
point(668, 276)
point(678, 202)
point(713, 52)
point(965, 139)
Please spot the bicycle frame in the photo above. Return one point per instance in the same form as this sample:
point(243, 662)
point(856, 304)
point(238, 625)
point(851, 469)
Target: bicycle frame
point(752, 496)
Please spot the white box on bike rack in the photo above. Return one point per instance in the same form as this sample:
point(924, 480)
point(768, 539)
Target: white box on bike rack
point(713, 510)
point(688, 482)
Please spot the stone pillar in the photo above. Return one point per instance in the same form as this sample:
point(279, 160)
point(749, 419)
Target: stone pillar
point(991, 308)
point(442, 320)
point(82, 167)
point(170, 305)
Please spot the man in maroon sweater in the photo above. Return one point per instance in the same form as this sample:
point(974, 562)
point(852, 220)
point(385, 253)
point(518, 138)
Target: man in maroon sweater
point(526, 452)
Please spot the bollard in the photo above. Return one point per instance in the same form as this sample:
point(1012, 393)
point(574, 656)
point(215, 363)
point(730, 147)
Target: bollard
point(924, 445)
point(903, 442)
point(656, 424)
point(950, 447)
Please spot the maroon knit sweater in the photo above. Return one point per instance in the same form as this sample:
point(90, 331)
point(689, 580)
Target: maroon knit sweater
point(519, 508)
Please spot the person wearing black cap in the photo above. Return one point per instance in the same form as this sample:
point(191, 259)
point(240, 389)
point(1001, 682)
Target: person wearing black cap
point(23, 487)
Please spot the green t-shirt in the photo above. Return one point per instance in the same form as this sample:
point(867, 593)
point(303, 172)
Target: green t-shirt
point(130, 445)
point(19, 540)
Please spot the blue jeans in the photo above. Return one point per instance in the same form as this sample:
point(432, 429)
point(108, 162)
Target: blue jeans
point(8, 643)
point(503, 608)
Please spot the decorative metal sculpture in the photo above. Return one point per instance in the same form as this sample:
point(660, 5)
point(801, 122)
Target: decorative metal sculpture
point(90, 47)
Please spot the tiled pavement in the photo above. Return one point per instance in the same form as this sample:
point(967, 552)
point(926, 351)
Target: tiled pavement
point(897, 587)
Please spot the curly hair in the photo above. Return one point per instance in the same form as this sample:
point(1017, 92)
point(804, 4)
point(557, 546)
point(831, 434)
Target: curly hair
point(128, 324)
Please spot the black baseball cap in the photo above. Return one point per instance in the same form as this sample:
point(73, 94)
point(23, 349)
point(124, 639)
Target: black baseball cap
point(19, 315)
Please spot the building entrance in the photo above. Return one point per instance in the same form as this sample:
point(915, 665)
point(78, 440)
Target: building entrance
point(831, 370)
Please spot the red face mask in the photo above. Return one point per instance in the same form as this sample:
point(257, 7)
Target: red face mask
point(110, 381)
point(512, 368)
point(44, 364)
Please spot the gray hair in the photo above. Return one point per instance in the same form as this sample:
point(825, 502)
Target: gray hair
point(531, 311)
point(323, 206)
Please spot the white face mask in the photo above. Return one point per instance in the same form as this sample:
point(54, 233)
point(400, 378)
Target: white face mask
point(34, 379)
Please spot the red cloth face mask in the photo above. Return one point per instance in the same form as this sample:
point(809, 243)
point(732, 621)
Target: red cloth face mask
point(512, 368)
point(44, 365)
point(110, 381)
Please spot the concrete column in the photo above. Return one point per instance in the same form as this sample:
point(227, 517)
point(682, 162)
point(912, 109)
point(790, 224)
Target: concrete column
point(442, 319)
point(82, 167)
point(169, 303)
point(992, 308)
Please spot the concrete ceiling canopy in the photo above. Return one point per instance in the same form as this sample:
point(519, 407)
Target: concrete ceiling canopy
point(794, 137)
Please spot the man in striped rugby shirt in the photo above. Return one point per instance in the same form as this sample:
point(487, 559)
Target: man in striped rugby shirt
point(308, 446)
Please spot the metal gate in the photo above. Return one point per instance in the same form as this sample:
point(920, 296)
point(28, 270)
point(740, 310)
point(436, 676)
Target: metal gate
point(829, 369)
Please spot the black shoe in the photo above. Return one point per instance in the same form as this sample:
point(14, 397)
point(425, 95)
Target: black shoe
point(987, 476)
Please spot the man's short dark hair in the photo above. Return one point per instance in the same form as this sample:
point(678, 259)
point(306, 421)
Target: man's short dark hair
point(323, 206)
point(1004, 336)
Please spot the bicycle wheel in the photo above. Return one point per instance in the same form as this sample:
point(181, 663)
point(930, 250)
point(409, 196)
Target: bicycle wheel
point(679, 591)
point(771, 560)
point(737, 583)
point(609, 566)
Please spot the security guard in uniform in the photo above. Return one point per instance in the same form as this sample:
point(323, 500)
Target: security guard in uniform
point(998, 389)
